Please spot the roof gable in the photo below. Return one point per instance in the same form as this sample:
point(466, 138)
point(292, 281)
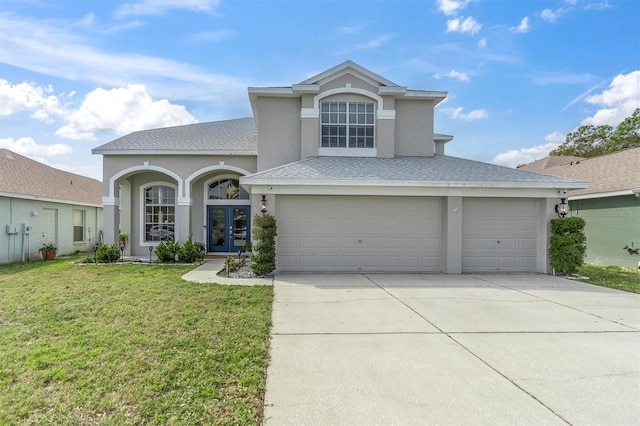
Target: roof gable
point(349, 67)
point(25, 177)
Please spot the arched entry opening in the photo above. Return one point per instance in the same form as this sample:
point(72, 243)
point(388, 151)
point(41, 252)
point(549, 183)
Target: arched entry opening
point(227, 214)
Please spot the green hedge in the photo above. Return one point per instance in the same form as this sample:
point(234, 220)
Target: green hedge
point(568, 244)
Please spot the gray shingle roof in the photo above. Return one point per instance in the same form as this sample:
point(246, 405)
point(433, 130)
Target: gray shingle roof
point(23, 176)
point(229, 136)
point(440, 170)
point(613, 172)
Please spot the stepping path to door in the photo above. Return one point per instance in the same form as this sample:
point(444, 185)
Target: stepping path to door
point(417, 349)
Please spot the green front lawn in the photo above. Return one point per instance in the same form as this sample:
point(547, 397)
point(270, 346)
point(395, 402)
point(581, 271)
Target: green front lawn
point(129, 344)
point(612, 276)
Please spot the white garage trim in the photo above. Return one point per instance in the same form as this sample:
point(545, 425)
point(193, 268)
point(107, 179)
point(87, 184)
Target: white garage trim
point(358, 234)
point(500, 235)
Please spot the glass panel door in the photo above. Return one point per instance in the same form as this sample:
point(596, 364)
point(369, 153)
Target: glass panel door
point(228, 228)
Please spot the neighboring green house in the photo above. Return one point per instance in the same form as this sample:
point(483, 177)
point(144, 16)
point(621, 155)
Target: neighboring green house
point(40, 205)
point(610, 206)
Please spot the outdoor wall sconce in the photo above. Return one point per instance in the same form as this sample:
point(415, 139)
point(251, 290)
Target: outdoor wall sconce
point(263, 205)
point(563, 208)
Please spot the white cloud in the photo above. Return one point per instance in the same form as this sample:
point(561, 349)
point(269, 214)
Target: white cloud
point(460, 76)
point(460, 25)
point(450, 7)
point(618, 101)
point(523, 27)
point(28, 147)
point(482, 42)
point(457, 113)
point(28, 96)
point(57, 51)
point(517, 157)
point(122, 110)
point(556, 138)
point(549, 15)
point(212, 36)
point(369, 44)
point(159, 7)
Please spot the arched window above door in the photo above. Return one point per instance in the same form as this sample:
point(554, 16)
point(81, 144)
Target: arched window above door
point(227, 189)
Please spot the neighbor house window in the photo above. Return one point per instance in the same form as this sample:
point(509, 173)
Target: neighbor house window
point(227, 189)
point(79, 217)
point(347, 124)
point(159, 212)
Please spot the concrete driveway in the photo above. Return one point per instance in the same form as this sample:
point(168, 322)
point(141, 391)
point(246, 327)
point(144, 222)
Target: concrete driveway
point(438, 349)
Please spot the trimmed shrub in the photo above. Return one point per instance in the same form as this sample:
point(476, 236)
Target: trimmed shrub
point(107, 254)
point(167, 251)
point(264, 232)
point(568, 244)
point(191, 251)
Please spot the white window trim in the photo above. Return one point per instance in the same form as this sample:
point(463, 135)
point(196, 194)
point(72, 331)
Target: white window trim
point(142, 204)
point(347, 152)
point(84, 226)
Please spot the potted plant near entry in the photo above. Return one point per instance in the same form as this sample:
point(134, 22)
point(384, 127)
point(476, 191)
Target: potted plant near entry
point(124, 240)
point(48, 251)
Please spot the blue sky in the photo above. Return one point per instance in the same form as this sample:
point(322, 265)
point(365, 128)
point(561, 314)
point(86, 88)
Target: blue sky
point(520, 74)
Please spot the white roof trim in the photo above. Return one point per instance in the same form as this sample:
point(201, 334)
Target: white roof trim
point(602, 194)
point(342, 69)
point(46, 199)
point(405, 183)
point(171, 152)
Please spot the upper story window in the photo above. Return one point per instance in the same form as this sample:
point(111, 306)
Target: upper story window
point(227, 189)
point(347, 124)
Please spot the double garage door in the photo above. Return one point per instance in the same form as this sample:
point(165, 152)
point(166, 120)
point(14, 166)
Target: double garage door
point(402, 234)
point(351, 234)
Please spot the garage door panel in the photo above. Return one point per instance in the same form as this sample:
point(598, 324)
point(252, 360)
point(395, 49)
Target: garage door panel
point(499, 235)
point(358, 233)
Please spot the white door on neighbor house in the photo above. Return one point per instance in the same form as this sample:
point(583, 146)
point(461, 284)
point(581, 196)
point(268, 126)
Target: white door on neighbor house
point(499, 235)
point(49, 226)
point(358, 233)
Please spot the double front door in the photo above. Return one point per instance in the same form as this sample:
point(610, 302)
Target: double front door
point(228, 228)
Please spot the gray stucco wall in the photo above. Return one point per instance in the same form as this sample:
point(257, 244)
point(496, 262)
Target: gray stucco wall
point(278, 131)
point(414, 128)
point(611, 224)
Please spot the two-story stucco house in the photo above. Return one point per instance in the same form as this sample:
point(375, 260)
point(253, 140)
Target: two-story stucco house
point(351, 168)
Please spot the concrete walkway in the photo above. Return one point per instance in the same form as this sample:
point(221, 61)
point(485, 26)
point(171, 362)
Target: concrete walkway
point(208, 273)
point(450, 350)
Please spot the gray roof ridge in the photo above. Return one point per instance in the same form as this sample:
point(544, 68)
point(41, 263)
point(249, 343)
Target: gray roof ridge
point(280, 167)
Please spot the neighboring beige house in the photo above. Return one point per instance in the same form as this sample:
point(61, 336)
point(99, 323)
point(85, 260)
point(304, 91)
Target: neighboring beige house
point(352, 170)
point(610, 206)
point(40, 204)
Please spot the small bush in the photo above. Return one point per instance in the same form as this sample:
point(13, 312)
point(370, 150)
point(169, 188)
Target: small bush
point(107, 254)
point(233, 264)
point(568, 244)
point(167, 251)
point(191, 251)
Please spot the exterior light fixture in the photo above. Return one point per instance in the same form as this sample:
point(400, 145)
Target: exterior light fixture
point(263, 205)
point(563, 208)
point(150, 251)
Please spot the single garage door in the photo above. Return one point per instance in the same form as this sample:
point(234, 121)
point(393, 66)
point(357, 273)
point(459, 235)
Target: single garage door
point(355, 234)
point(499, 235)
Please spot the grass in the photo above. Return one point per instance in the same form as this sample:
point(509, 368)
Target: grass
point(626, 279)
point(129, 344)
